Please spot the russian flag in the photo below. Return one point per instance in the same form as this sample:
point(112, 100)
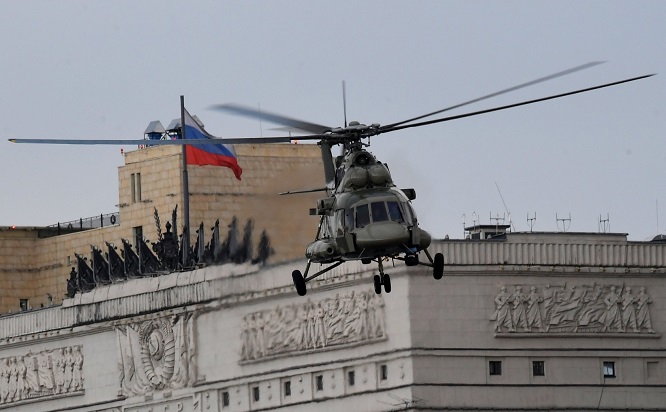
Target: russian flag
point(213, 154)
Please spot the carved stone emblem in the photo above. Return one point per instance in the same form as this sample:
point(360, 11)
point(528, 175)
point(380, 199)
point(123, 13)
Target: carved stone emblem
point(340, 320)
point(44, 374)
point(591, 308)
point(156, 354)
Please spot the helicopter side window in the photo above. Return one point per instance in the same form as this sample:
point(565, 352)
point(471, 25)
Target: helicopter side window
point(362, 216)
point(379, 212)
point(406, 208)
point(349, 218)
point(394, 211)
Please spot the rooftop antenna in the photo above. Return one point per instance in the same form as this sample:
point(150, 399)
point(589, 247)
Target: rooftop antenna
point(566, 223)
point(531, 220)
point(506, 209)
point(497, 219)
point(604, 224)
point(344, 101)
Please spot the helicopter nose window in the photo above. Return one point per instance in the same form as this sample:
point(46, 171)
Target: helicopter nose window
point(379, 212)
point(362, 216)
point(394, 211)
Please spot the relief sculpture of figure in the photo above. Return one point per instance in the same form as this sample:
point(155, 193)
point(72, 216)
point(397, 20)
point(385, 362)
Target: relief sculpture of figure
point(567, 305)
point(69, 365)
point(533, 310)
point(246, 344)
point(77, 375)
point(59, 371)
point(643, 316)
point(502, 315)
point(22, 387)
point(611, 316)
point(378, 315)
point(628, 312)
point(45, 372)
point(4, 380)
point(319, 333)
point(593, 307)
point(302, 331)
point(13, 380)
point(518, 300)
point(259, 324)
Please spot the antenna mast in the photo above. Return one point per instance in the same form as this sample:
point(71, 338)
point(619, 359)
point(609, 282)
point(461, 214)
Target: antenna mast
point(566, 223)
point(531, 220)
point(344, 101)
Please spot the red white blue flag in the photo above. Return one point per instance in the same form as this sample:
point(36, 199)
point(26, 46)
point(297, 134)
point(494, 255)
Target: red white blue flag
point(213, 154)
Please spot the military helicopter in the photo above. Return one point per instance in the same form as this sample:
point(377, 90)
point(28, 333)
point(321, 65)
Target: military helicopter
point(364, 215)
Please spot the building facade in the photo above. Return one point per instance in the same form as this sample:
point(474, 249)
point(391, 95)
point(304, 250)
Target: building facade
point(520, 321)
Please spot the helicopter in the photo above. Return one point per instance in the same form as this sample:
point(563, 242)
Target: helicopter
point(364, 215)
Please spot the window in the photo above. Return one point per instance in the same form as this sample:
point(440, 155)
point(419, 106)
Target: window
point(319, 382)
point(135, 187)
point(349, 218)
point(379, 212)
point(255, 393)
point(23, 304)
point(495, 368)
point(225, 398)
point(652, 369)
point(609, 369)
point(538, 368)
point(383, 372)
point(287, 388)
point(362, 216)
point(351, 378)
point(394, 211)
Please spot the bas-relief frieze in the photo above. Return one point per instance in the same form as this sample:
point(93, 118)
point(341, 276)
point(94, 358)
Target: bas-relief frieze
point(46, 374)
point(156, 354)
point(594, 308)
point(341, 320)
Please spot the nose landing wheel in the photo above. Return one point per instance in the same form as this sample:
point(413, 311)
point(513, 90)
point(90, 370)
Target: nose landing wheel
point(382, 279)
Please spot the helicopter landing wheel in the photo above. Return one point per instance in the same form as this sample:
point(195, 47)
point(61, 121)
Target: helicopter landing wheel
point(438, 266)
point(378, 284)
point(299, 282)
point(387, 284)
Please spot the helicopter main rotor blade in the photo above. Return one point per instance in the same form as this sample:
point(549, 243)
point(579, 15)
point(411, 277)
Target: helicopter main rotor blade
point(271, 117)
point(175, 142)
point(488, 96)
point(495, 109)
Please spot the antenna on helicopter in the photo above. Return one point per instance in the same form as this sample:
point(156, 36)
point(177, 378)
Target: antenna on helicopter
point(344, 101)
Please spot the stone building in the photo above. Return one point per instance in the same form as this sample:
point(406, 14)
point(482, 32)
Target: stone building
point(35, 262)
point(520, 321)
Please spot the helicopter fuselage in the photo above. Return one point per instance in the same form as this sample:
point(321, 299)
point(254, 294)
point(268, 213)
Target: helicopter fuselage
point(365, 224)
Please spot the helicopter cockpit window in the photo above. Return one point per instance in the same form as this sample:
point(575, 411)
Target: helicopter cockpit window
point(394, 211)
point(409, 212)
point(379, 212)
point(362, 216)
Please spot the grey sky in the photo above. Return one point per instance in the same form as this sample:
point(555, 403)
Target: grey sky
point(82, 69)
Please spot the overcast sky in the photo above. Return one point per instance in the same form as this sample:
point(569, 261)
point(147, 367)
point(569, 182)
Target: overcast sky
point(93, 69)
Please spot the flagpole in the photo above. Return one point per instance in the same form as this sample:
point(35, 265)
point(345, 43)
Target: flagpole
point(186, 190)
